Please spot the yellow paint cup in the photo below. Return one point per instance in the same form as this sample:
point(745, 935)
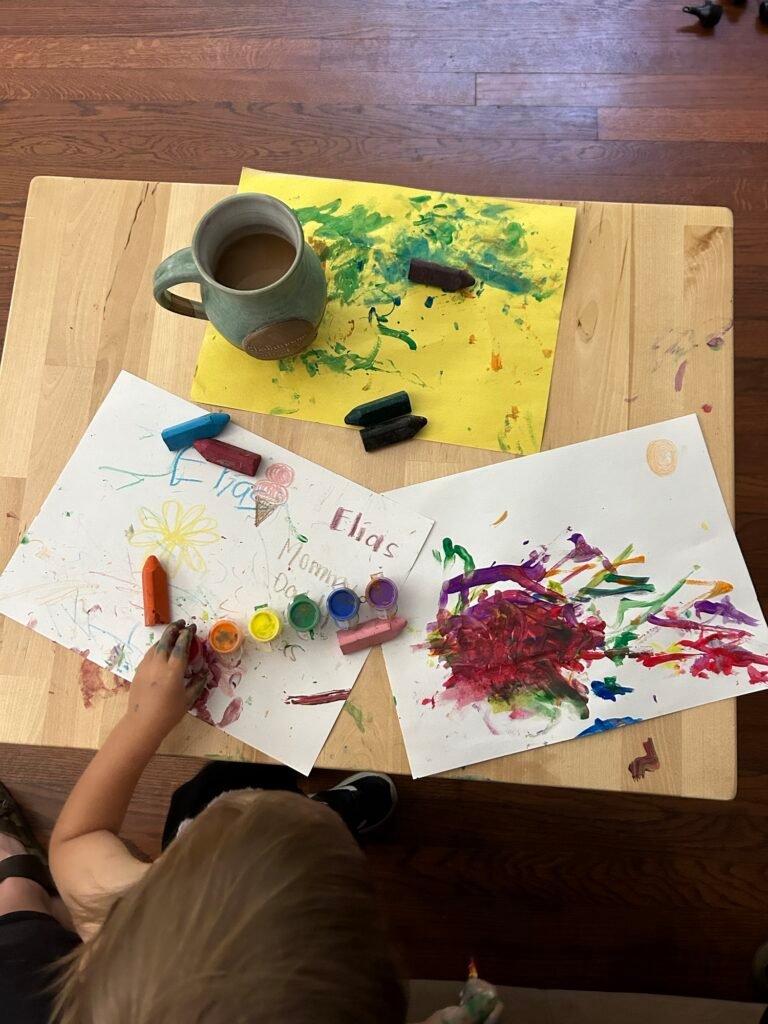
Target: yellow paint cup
point(265, 625)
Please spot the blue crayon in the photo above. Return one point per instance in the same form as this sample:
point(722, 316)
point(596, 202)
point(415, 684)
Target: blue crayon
point(183, 434)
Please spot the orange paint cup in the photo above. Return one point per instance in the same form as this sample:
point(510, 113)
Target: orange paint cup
point(225, 636)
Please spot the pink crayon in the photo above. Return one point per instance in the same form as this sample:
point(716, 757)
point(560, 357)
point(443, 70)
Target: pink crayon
point(370, 634)
point(228, 455)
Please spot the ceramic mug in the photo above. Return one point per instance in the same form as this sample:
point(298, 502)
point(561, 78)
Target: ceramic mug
point(274, 308)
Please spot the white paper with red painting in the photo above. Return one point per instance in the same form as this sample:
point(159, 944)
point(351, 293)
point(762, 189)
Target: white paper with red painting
point(569, 593)
point(229, 544)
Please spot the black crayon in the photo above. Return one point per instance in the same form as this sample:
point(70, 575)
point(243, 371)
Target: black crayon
point(380, 409)
point(450, 279)
point(400, 429)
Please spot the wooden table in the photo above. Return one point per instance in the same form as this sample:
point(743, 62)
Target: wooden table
point(648, 287)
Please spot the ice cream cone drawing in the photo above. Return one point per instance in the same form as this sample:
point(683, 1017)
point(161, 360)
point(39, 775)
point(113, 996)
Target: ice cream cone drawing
point(272, 492)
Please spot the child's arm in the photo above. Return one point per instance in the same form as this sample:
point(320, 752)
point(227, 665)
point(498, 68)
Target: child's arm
point(87, 859)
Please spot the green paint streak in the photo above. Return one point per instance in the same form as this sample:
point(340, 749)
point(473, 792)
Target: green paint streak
point(25, 539)
point(418, 200)
point(437, 555)
point(603, 592)
point(356, 713)
point(599, 577)
point(613, 577)
point(302, 538)
point(338, 359)
point(281, 410)
point(651, 607)
point(557, 587)
point(453, 551)
point(402, 335)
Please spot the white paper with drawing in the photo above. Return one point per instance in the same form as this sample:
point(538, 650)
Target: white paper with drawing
point(76, 577)
point(569, 593)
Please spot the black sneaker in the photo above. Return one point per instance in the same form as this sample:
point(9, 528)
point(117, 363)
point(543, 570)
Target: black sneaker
point(365, 800)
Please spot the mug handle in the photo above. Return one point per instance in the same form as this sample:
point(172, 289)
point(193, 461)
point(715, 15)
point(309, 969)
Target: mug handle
point(178, 268)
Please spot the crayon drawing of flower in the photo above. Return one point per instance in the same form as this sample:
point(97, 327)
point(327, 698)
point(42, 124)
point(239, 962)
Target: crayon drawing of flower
point(177, 533)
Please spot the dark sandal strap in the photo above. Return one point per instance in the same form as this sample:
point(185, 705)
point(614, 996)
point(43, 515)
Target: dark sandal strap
point(14, 824)
point(26, 865)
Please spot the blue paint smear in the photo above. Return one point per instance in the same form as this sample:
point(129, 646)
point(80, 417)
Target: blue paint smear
point(606, 724)
point(609, 689)
point(429, 301)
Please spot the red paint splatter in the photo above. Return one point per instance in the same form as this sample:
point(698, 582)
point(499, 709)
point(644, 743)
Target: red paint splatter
point(232, 713)
point(219, 674)
point(716, 343)
point(510, 647)
point(329, 697)
point(719, 652)
point(706, 407)
point(429, 702)
point(680, 375)
point(647, 762)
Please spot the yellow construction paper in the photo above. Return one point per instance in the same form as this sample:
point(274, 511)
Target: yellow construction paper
point(477, 364)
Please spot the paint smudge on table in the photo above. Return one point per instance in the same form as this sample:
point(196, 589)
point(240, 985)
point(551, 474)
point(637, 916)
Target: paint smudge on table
point(647, 762)
point(95, 683)
point(356, 713)
point(706, 407)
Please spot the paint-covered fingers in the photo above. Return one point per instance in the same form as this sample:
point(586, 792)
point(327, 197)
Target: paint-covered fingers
point(168, 640)
point(183, 644)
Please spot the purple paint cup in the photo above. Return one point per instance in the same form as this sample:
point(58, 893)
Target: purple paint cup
point(381, 595)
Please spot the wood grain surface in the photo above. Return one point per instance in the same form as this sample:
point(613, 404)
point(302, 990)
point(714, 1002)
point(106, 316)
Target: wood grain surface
point(647, 286)
point(658, 895)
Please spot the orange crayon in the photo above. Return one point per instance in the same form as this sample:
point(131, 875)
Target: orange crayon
point(157, 600)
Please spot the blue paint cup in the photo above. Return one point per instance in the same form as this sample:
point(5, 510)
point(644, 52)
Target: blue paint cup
point(343, 607)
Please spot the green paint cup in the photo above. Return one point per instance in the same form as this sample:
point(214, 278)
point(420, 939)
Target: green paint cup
point(303, 614)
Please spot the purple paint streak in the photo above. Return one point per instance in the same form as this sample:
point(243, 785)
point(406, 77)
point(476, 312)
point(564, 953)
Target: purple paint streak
point(727, 611)
point(680, 375)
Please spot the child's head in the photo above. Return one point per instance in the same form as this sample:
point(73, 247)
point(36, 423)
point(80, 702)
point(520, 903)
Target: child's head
point(261, 911)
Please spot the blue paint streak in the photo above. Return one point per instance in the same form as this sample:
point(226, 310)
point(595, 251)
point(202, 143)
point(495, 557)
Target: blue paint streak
point(606, 724)
point(609, 690)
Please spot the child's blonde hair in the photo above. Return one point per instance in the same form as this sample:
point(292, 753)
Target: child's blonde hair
point(261, 911)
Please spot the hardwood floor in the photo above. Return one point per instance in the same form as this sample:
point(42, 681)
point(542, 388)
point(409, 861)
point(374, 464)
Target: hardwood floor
point(586, 100)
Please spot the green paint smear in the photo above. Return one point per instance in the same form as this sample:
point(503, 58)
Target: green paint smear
point(281, 410)
point(651, 607)
point(453, 551)
point(25, 539)
point(437, 555)
point(363, 267)
point(356, 713)
point(614, 591)
point(402, 335)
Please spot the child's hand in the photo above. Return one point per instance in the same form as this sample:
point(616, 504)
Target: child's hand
point(159, 697)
